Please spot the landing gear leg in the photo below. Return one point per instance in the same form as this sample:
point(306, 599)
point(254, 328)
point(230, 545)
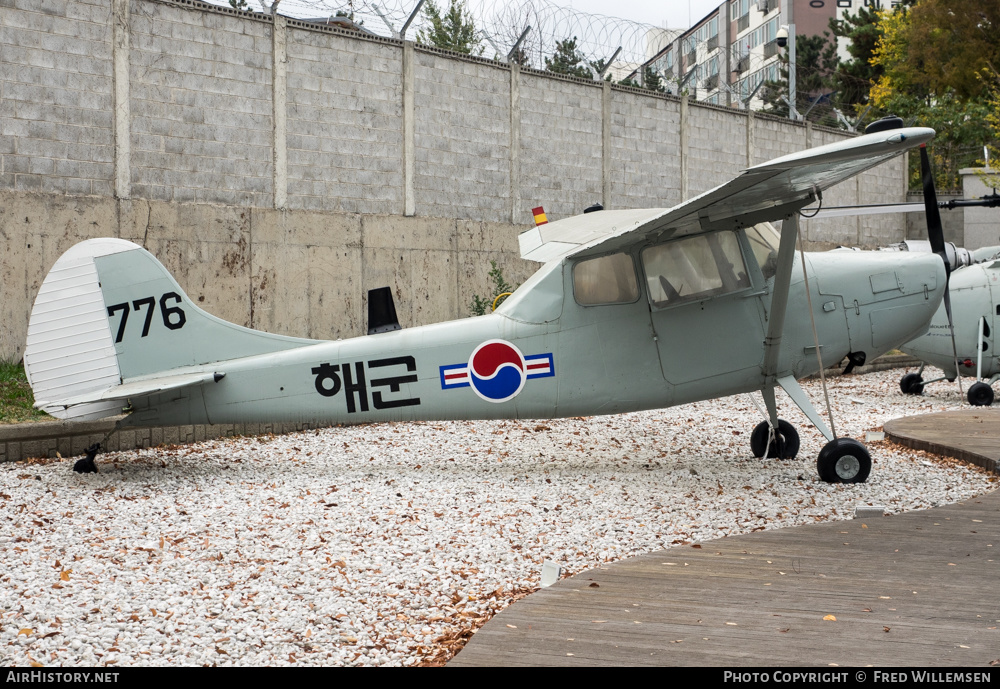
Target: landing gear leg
point(87, 465)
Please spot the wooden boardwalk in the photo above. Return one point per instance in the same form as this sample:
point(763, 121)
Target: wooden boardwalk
point(918, 589)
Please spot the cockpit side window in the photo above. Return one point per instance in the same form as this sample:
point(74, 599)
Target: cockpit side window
point(605, 280)
point(694, 268)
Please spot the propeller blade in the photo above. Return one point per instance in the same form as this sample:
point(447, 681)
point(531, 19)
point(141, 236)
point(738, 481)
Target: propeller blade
point(935, 233)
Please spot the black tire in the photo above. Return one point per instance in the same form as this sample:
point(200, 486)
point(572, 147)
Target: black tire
point(911, 384)
point(787, 440)
point(980, 395)
point(844, 460)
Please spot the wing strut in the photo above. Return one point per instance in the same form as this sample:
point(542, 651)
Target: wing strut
point(775, 328)
point(779, 300)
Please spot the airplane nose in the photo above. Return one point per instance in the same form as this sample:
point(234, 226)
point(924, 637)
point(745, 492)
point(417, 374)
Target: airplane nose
point(904, 298)
point(888, 297)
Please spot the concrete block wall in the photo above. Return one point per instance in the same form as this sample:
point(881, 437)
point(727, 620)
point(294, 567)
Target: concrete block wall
point(462, 138)
point(561, 146)
point(201, 108)
point(344, 131)
point(645, 167)
point(56, 128)
point(717, 141)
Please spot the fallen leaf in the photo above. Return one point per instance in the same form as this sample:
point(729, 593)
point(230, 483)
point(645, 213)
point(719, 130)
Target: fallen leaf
point(511, 626)
point(886, 629)
point(64, 575)
point(830, 618)
point(26, 632)
point(595, 585)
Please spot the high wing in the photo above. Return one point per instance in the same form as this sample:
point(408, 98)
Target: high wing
point(767, 192)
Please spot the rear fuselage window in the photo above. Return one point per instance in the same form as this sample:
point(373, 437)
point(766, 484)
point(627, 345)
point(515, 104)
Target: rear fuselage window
point(605, 280)
point(694, 268)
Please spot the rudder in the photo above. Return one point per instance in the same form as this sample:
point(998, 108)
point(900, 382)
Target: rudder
point(109, 312)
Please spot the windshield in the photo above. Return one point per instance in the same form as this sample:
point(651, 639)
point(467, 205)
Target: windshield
point(694, 268)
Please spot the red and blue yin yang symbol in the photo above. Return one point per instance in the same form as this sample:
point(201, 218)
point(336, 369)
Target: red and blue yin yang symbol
point(497, 370)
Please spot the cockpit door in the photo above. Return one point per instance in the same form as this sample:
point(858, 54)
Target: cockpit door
point(704, 307)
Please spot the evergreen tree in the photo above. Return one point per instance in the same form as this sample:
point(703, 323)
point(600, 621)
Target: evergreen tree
point(853, 78)
point(815, 66)
point(454, 31)
point(568, 60)
point(651, 81)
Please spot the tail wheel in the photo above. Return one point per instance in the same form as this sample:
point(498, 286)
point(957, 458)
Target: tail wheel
point(980, 395)
point(844, 460)
point(911, 384)
point(784, 446)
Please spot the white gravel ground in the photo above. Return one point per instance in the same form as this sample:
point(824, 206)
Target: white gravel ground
point(390, 544)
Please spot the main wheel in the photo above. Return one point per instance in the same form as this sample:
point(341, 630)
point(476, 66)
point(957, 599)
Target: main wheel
point(787, 441)
point(980, 395)
point(911, 384)
point(844, 460)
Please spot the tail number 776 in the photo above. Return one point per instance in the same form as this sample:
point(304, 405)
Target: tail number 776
point(172, 315)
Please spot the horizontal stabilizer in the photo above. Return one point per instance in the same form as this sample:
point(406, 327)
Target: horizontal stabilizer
point(133, 389)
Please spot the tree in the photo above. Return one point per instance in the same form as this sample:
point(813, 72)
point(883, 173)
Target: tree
point(239, 5)
point(566, 60)
point(939, 69)
point(454, 31)
point(651, 81)
point(853, 78)
point(815, 65)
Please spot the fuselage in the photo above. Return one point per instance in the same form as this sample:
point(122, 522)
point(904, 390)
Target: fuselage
point(679, 323)
point(974, 293)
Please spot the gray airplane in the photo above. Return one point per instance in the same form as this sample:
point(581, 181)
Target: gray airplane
point(630, 310)
point(975, 299)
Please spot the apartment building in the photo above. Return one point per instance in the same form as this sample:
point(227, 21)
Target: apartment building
point(725, 57)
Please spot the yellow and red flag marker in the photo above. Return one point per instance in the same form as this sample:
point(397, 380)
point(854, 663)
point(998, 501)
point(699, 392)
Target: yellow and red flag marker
point(539, 214)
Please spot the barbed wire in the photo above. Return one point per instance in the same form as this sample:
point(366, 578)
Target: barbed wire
point(499, 24)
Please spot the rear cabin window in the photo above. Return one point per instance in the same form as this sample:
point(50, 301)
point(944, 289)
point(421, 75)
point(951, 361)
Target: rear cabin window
point(605, 280)
point(694, 269)
point(764, 243)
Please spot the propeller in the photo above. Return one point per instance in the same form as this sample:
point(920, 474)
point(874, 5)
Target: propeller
point(935, 234)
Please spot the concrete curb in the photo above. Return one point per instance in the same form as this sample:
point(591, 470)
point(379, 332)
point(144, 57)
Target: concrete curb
point(969, 435)
point(70, 438)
